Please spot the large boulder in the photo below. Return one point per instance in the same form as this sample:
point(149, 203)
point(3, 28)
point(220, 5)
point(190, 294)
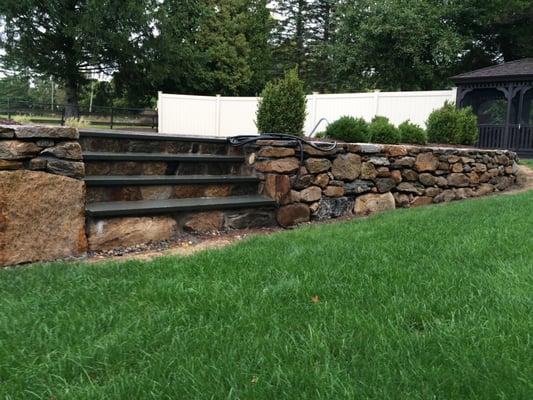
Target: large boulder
point(41, 217)
point(111, 233)
point(16, 150)
point(277, 187)
point(385, 184)
point(316, 165)
point(293, 214)
point(280, 166)
point(346, 167)
point(248, 219)
point(370, 203)
point(73, 169)
point(333, 207)
point(458, 180)
point(311, 194)
point(358, 187)
point(39, 131)
point(204, 222)
point(368, 171)
point(275, 152)
point(68, 150)
point(426, 162)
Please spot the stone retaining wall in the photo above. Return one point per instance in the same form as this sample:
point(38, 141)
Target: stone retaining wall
point(42, 196)
point(363, 178)
point(41, 148)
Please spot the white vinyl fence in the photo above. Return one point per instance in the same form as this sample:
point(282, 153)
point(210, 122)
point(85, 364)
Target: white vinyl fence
point(229, 116)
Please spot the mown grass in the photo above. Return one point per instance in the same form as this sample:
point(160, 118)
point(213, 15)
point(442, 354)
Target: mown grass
point(527, 161)
point(431, 303)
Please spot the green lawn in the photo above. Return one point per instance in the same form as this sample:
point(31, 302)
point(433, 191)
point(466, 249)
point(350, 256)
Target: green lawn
point(429, 303)
point(528, 162)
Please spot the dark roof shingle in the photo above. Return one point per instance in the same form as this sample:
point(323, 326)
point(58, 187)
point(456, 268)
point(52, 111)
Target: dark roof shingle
point(519, 69)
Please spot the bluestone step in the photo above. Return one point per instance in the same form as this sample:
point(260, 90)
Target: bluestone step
point(109, 156)
point(151, 207)
point(119, 180)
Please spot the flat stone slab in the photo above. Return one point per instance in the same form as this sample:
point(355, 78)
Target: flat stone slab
point(119, 180)
point(108, 156)
point(39, 131)
point(150, 207)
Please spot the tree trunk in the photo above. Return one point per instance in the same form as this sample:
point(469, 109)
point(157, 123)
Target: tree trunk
point(300, 34)
point(71, 100)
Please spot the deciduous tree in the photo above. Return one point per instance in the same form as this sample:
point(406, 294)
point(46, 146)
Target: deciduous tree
point(70, 39)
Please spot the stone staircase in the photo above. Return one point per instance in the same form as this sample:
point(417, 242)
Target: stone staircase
point(146, 187)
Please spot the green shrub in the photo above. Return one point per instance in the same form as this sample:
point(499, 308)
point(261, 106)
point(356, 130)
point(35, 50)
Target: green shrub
point(467, 124)
point(412, 133)
point(348, 129)
point(450, 125)
point(381, 130)
point(281, 108)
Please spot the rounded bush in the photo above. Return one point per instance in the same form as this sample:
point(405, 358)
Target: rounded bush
point(412, 133)
point(282, 107)
point(448, 125)
point(467, 125)
point(381, 130)
point(348, 129)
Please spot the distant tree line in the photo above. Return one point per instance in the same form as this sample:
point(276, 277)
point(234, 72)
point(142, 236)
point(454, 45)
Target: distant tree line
point(233, 47)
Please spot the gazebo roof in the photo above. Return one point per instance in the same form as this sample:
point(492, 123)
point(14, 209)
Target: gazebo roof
point(509, 71)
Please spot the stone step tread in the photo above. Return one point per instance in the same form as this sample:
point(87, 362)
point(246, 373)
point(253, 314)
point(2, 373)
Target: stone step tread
point(124, 208)
point(127, 135)
point(110, 156)
point(118, 180)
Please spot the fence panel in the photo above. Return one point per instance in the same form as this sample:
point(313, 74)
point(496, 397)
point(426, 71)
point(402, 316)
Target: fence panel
point(237, 114)
point(334, 106)
point(188, 115)
point(228, 116)
point(415, 106)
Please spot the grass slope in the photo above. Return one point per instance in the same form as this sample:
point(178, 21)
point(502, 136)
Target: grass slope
point(432, 303)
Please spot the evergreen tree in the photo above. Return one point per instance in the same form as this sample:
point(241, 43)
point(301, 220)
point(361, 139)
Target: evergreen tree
point(292, 35)
point(323, 25)
point(303, 38)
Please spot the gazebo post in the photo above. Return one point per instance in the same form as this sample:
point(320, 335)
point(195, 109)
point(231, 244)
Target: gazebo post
point(508, 91)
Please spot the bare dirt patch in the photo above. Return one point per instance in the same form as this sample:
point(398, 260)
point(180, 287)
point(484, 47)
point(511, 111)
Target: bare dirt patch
point(184, 245)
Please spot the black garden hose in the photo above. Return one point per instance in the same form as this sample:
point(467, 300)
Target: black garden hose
point(243, 140)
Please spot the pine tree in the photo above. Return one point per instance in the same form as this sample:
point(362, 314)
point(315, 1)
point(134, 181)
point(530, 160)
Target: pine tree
point(303, 37)
point(291, 36)
point(323, 23)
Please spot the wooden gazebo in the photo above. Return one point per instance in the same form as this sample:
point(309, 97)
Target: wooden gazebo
point(502, 98)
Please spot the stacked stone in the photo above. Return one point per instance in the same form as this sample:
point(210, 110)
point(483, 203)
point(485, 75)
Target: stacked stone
point(363, 178)
point(42, 195)
point(41, 148)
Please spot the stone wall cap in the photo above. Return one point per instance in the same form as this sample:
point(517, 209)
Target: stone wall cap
point(380, 148)
point(39, 131)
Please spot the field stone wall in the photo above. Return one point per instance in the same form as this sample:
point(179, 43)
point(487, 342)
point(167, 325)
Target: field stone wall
point(363, 178)
point(42, 194)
